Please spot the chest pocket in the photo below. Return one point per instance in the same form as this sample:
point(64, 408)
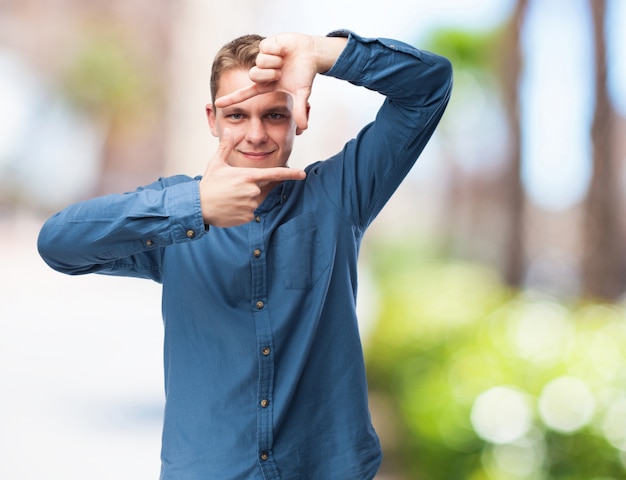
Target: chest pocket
point(298, 253)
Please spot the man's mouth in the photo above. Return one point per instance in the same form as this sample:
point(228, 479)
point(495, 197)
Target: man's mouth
point(256, 156)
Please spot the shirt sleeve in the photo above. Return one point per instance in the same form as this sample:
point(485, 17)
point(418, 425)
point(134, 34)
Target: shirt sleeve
point(124, 234)
point(417, 85)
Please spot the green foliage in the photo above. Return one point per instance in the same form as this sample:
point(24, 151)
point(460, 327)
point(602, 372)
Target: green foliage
point(451, 339)
point(470, 51)
point(106, 79)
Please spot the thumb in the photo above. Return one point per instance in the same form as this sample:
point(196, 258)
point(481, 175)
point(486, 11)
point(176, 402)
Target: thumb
point(226, 146)
point(301, 110)
point(220, 159)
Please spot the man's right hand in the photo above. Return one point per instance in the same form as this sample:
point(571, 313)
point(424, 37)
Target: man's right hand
point(230, 195)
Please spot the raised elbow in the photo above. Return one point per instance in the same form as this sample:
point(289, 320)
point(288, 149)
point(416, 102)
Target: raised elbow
point(52, 249)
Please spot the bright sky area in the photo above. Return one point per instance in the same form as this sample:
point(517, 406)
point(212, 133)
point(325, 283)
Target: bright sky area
point(557, 86)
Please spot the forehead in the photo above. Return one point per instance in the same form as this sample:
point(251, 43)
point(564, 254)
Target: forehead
point(233, 80)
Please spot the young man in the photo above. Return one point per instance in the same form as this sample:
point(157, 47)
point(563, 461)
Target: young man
point(264, 371)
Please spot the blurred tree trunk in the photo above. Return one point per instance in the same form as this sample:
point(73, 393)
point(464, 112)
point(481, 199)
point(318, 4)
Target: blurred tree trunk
point(511, 65)
point(603, 268)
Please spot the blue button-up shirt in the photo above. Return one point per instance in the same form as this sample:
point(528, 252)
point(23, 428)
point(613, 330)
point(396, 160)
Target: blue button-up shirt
point(264, 371)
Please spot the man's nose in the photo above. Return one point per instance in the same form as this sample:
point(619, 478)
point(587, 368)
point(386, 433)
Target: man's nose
point(255, 132)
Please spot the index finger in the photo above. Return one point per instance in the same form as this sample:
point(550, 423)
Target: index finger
point(240, 95)
point(263, 176)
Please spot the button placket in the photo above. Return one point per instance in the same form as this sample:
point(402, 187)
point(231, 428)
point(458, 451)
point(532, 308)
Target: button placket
point(264, 338)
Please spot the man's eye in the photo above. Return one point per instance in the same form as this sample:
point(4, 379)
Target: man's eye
point(235, 116)
point(275, 116)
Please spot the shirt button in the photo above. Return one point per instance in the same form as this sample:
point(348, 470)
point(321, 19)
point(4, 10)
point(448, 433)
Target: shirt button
point(149, 243)
point(265, 402)
point(256, 253)
point(260, 305)
point(190, 234)
point(265, 351)
point(257, 219)
point(264, 456)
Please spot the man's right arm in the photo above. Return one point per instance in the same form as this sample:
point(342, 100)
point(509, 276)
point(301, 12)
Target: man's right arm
point(123, 234)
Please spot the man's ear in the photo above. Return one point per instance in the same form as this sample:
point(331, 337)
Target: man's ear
point(210, 115)
point(308, 110)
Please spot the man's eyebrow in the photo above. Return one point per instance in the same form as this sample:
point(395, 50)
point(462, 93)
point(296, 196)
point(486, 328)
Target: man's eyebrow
point(282, 109)
point(232, 109)
point(235, 109)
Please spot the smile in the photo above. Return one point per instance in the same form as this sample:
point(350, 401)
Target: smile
point(256, 155)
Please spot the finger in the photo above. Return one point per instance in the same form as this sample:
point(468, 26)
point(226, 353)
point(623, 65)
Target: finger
point(243, 94)
point(262, 76)
point(264, 60)
point(263, 176)
point(226, 146)
point(237, 96)
point(300, 117)
point(301, 111)
point(271, 46)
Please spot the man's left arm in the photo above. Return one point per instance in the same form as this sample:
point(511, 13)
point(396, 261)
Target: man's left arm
point(417, 86)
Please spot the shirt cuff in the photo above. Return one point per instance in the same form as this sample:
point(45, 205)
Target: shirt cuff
point(185, 212)
point(340, 33)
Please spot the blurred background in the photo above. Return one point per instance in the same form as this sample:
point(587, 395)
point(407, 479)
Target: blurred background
point(492, 286)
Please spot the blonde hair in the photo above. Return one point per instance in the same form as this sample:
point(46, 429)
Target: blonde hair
point(239, 53)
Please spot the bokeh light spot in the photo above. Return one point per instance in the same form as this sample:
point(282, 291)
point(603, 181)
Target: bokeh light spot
point(566, 404)
point(542, 331)
point(521, 458)
point(614, 424)
point(501, 415)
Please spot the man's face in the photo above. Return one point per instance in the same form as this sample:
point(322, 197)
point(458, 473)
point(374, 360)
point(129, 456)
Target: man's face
point(262, 126)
